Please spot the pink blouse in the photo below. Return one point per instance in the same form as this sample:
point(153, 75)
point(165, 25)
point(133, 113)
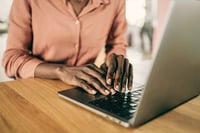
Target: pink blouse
point(49, 31)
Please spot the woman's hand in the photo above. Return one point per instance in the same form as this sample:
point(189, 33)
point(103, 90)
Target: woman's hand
point(89, 77)
point(119, 72)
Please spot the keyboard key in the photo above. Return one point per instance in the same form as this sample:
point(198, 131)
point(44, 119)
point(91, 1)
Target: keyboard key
point(121, 104)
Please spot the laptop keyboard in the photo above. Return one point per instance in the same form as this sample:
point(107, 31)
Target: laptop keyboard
point(120, 104)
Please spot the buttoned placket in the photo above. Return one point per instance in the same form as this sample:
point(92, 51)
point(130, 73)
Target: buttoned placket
point(77, 24)
point(77, 40)
point(76, 34)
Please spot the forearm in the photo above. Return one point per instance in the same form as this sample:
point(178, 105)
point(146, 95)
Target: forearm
point(47, 70)
point(88, 77)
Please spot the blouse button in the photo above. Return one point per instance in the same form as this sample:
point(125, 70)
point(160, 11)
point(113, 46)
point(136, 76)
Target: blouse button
point(77, 22)
point(76, 46)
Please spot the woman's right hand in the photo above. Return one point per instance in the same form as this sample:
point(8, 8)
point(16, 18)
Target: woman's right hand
point(89, 77)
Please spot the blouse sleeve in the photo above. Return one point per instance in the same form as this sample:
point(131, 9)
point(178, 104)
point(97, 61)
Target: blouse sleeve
point(17, 60)
point(117, 42)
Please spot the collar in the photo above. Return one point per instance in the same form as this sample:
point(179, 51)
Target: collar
point(100, 1)
point(94, 1)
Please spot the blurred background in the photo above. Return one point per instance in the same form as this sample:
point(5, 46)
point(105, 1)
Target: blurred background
point(144, 18)
point(4, 12)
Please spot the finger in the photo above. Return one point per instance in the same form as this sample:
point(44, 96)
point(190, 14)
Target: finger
point(125, 75)
point(96, 72)
point(112, 66)
point(119, 73)
point(84, 85)
point(104, 67)
point(95, 68)
point(130, 77)
point(95, 83)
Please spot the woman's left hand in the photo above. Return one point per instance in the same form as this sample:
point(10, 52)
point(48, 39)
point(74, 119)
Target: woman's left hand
point(119, 72)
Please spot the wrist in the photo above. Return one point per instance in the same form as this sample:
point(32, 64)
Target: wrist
point(48, 71)
point(59, 70)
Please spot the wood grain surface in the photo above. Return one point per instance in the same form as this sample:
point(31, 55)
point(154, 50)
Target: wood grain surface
point(32, 105)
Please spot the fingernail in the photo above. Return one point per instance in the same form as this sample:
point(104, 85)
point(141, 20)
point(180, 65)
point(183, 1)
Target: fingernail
point(93, 92)
point(109, 81)
point(130, 87)
point(117, 87)
point(113, 91)
point(124, 90)
point(107, 92)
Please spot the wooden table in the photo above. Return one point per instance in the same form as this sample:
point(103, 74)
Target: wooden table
point(32, 105)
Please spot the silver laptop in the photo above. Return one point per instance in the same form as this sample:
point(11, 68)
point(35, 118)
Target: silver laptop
point(174, 77)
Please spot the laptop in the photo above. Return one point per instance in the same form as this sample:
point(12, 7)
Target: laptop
point(174, 77)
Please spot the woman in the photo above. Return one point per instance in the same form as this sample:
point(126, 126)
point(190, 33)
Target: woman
point(61, 39)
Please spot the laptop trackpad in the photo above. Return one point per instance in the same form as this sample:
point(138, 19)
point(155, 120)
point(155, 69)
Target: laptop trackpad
point(80, 95)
